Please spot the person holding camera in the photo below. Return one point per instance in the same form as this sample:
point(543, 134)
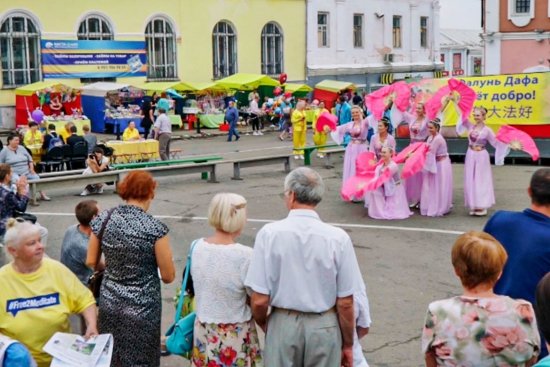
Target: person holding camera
point(97, 162)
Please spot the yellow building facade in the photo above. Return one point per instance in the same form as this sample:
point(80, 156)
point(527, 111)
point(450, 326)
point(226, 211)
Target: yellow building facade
point(211, 38)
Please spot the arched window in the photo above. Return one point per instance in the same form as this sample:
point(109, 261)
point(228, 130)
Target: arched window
point(224, 46)
point(19, 51)
point(95, 27)
point(272, 49)
point(160, 41)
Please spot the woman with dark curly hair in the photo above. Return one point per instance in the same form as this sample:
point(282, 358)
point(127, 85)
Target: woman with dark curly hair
point(134, 244)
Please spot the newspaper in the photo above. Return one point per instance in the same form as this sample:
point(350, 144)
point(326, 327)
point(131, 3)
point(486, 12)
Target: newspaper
point(74, 350)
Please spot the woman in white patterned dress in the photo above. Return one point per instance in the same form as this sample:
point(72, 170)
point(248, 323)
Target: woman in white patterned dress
point(224, 334)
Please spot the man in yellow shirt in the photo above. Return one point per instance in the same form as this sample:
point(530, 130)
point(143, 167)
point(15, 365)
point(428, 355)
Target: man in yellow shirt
point(299, 129)
point(319, 138)
point(38, 294)
point(131, 133)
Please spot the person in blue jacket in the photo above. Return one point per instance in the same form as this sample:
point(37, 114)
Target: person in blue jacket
point(232, 117)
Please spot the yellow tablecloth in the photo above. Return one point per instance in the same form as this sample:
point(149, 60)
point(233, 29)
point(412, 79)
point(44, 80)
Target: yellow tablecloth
point(36, 151)
point(130, 151)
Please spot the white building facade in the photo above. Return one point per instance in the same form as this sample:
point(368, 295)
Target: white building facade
point(370, 42)
point(461, 52)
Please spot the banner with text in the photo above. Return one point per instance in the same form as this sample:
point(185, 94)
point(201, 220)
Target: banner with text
point(62, 59)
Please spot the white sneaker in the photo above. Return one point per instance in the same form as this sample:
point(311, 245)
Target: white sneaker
point(255, 133)
point(85, 192)
point(260, 133)
point(301, 157)
point(296, 157)
point(99, 191)
point(321, 155)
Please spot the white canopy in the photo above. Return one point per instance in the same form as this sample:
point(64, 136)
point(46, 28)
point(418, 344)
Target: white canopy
point(100, 89)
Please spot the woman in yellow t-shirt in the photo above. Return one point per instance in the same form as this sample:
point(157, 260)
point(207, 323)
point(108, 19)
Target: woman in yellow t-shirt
point(131, 133)
point(299, 129)
point(33, 136)
point(39, 293)
point(319, 138)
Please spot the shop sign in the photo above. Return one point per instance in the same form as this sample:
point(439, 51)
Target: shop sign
point(93, 59)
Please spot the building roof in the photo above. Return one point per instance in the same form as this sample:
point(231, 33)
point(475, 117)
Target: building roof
point(461, 38)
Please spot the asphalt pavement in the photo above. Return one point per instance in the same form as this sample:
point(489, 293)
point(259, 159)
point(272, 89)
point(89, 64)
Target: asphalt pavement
point(405, 264)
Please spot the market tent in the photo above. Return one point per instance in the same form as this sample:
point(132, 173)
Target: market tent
point(93, 102)
point(205, 87)
point(247, 82)
point(328, 91)
point(334, 86)
point(296, 87)
point(27, 97)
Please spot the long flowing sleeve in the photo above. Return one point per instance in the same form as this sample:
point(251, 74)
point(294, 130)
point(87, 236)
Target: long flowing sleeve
point(390, 185)
point(463, 126)
point(431, 157)
point(501, 149)
point(338, 134)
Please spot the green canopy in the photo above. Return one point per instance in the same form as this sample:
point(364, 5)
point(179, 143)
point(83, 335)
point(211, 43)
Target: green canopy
point(335, 85)
point(163, 86)
point(247, 82)
point(297, 88)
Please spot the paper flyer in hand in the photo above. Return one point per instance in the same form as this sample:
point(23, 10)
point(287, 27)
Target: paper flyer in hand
point(74, 350)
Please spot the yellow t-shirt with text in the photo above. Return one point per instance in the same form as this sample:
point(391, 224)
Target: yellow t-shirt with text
point(35, 306)
point(130, 134)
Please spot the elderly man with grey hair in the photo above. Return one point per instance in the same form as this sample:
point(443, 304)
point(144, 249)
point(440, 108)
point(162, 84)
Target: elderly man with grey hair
point(306, 270)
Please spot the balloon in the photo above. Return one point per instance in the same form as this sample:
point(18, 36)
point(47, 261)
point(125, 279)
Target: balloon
point(277, 91)
point(282, 78)
point(37, 116)
point(278, 110)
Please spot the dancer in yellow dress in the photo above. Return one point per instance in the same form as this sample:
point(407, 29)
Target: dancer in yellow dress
point(319, 138)
point(299, 129)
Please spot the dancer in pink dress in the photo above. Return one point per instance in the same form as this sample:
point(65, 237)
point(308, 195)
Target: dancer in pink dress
point(358, 130)
point(382, 138)
point(389, 200)
point(418, 128)
point(437, 177)
point(479, 194)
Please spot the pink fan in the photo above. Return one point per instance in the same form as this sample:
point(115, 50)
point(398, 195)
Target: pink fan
point(365, 164)
point(376, 101)
point(326, 120)
point(415, 162)
point(518, 140)
point(378, 181)
point(402, 93)
point(435, 103)
point(467, 96)
point(403, 155)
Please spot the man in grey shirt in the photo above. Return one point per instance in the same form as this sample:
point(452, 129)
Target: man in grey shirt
point(75, 242)
point(163, 131)
point(90, 138)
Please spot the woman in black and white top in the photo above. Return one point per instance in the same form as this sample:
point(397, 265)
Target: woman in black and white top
point(224, 330)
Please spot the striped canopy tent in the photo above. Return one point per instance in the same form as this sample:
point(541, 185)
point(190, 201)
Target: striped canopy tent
point(328, 91)
point(246, 82)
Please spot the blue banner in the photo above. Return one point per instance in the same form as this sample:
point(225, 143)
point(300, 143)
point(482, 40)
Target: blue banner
point(89, 59)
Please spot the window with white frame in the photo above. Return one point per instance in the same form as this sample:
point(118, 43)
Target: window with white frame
point(160, 43)
point(396, 31)
point(272, 49)
point(424, 32)
point(523, 6)
point(19, 51)
point(322, 29)
point(95, 27)
point(357, 30)
point(224, 46)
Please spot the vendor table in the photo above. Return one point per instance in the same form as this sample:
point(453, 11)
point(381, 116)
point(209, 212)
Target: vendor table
point(176, 120)
point(132, 151)
point(60, 124)
point(211, 121)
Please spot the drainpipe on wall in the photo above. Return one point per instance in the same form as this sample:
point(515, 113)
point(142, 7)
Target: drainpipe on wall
point(307, 44)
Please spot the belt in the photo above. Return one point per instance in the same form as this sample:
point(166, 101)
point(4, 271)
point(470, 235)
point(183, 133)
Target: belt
point(477, 148)
point(357, 141)
point(294, 312)
point(441, 157)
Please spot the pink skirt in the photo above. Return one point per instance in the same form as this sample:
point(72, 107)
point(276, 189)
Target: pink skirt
point(437, 190)
point(478, 180)
point(388, 207)
point(413, 188)
point(352, 151)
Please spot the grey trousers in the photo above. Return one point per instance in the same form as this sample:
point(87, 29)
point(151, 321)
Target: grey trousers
point(164, 146)
point(302, 339)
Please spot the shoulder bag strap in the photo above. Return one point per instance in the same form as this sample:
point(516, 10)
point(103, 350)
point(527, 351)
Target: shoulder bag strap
point(185, 277)
point(100, 235)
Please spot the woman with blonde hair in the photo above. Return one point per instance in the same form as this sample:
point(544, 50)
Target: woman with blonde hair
point(225, 334)
point(480, 328)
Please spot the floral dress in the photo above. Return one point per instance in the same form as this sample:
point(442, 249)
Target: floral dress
point(481, 332)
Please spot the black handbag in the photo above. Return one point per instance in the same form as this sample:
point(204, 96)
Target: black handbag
point(95, 280)
point(27, 217)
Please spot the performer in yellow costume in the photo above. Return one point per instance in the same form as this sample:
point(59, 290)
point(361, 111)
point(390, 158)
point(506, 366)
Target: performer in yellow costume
point(319, 138)
point(299, 129)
